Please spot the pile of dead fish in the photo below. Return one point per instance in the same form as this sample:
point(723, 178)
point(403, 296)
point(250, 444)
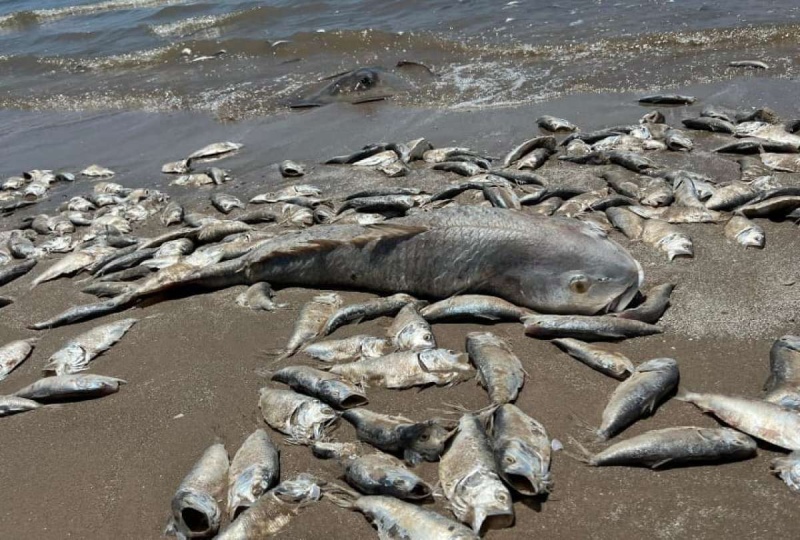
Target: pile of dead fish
point(464, 251)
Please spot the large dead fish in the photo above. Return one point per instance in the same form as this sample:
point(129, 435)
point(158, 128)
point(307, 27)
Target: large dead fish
point(13, 354)
point(550, 265)
point(196, 512)
point(78, 352)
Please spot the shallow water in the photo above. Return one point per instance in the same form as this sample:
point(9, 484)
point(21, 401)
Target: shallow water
point(126, 54)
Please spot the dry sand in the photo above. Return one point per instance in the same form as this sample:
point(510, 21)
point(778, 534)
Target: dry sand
point(108, 468)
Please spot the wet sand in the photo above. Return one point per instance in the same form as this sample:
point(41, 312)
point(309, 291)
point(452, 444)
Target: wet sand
point(108, 468)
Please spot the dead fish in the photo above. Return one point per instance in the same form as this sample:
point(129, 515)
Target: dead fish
point(731, 196)
point(131, 274)
point(534, 159)
point(352, 348)
point(302, 418)
point(478, 183)
point(585, 328)
point(291, 169)
point(193, 180)
point(654, 306)
point(631, 161)
point(459, 167)
point(385, 203)
point(678, 214)
point(547, 142)
point(254, 470)
point(6, 301)
point(753, 64)
point(258, 297)
point(398, 435)
point(410, 331)
point(754, 145)
point(273, 511)
point(172, 214)
point(668, 99)
point(378, 160)
point(440, 155)
point(70, 387)
point(214, 150)
point(522, 451)
point(13, 183)
point(501, 197)
point(744, 232)
point(667, 238)
point(639, 395)
point(97, 171)
point(217, 230)
point(473, 305)
point(469, 479)
point(225, 203)
point(322, 385)
point(380, 191)
point(108, 289)
point(72, 263)
point(176, 167)
point(382, 474)
point(13, 354)
point(783, 385)
point(335, 450)
point(519, 177)
point(760, 419)
point(610, 363)
point(787, 468)
point(371, 309)
point(552, 123)
point(395, 518)
point(657, 193)
point(706, 123)
point(499, 370)
point(10, 272)
point(311, 321)
point(195, 510)
point(772, 207)
point(781, 162)
point(13, 405)
point(676, 446)
point(675, 140)
point(406, 369)
point(79, 351)
point(79, 204)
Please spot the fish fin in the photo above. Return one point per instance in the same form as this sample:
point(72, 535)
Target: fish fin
point(264, 372)
point(339, 495)
point(682, 394)
point(583, 457)
point(661, 463)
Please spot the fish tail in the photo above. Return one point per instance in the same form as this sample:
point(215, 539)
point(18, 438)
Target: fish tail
point(682, 394)
point(340, 495)
point(583, 454)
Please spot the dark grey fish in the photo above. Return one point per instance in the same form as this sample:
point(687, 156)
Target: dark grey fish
point(134, 258)
point(552, 123)
point(519, 177)
point(521, 449)
point(708, 123)
point(14, 405)
point(502, 197)
point(752, 64)
point(774, 207)
point(677, 446)
point(459, 167)
point(787, 468)
point(380, 191)
point(762, 114)
point(382, 474)
point(630, 160)
point(254, 470)
point(585, 328)
point(361, 85)
point(754, 145)
point(398, 435)
point(731, 196)
point(108, 289)
point(10, 272)
point(397, 204)
point(668, 99)
point(675, 140)
point(323, 385)
point(783, 385)
point(291, 169)
point(591, 137)
point(639, 395)
point(473, 306)
point(371, 309)
point(654, 306)
point(476, 183)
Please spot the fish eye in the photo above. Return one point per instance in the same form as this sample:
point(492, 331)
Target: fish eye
point(424, 437)
point(509, 459)
point(579, 284)
point(428, 337)
point(501, 497)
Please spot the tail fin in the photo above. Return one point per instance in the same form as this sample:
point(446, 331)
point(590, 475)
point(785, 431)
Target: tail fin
point(340, 495)
point(682, 394)
point(584, 456)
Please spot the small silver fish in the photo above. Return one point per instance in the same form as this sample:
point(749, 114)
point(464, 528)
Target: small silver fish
point(352, 348)
point(499, 370)
point(410, 331)
point(382, 474)
point(522, 450)
point(473, 306)
point(322, 385)
point(302, 418)
point(254, 470)
point(406, 369)
point(13, 405)
point(610, 363)
point(69, 387)
point(13, 354)
point(78, 352)
point(311, 321)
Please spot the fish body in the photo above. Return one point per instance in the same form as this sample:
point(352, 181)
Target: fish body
point(783, 385)
point(78, 352)
point(254, 470)
point(406, 369)
point(585, 328)
point(469, 479)
point(522, 450)
point(668, 99)
point(195, 510)
point(14, 405)
point(70, 387)
point(707, 123)
point(291, 169)
point(382, 474)
point(610, 363)
point(788, 469)
point(10, 272)
point(639, 395)
point(552, 123)
point(473, 306)
point(499, 370)
point(371, 309)
point(311, 321)
point(352, 348)
point(654, 306)
point(303, 418)
point(13, 354)
point(322, 385)
point(258, 297)
point(410, 331)
point(677, 446)
point(214, 150)
point(668, 238)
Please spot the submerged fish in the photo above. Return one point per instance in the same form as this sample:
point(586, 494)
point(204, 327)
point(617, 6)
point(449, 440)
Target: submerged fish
point(70, 387)
point(522, 450)
point(639, 395)
point(79, 351)
point(254, 470)
point(614, 364)
point(676, 446)
point(499, 370)
point(469, 479)
point(358, 86)
point(13, 354)
point(196, 512)
point(303, 418)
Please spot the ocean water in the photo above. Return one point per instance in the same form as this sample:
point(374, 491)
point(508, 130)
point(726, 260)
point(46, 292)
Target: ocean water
point(251, 58)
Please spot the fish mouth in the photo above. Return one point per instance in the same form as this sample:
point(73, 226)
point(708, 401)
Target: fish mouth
point(352, 400)
point(420, 491)
point(622, 301)
point(527, 485)
point(500, 519)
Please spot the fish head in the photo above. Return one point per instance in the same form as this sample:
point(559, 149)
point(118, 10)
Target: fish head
point(357, 86)
point(489, 501)
point(444, 359)
point(416, 337)
point(406, 484)
point(591, 274)
point(196, 514)
point(677, 245)
point(427, 438)
point(744, 444)
point(304, 487)
point(789, 343)
point(311, 419)
point(524, 469)
point(751, 237)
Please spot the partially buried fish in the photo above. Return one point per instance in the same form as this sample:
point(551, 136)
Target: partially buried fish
point(13, 354)
point(78, 352)
point(358, 86)
point(546, 264)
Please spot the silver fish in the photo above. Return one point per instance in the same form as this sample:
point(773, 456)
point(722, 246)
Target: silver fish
point(176, 167)
point(382, 474)
point(499, 370)
point(254, 470)
point(258, 297)
point(741, 230)
point(552, 123)
point(473, 305)
point(585, 328)
point(783, 385)
point(303, 418)
point(195, 510)
point(406, 369)
point(731, 196)
point(13, 354)
point(10, 272)
point(410, 331)
point(398, 435)
point(13, 405)
point(547, 142)
point(172, 214)
point(311, 321)
point(226, 203)
point(72, 263)
point(676, 446)
point(370, 309)
point(639, 395)
point(335, 449)
point(610, 363)
point(78, 352)
point(322, 385)
point(351, 348)
point(97, 171)
point(70, 387)
point(291, 169)
point(469, 479)
point(522, 451)
point(214, 150)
